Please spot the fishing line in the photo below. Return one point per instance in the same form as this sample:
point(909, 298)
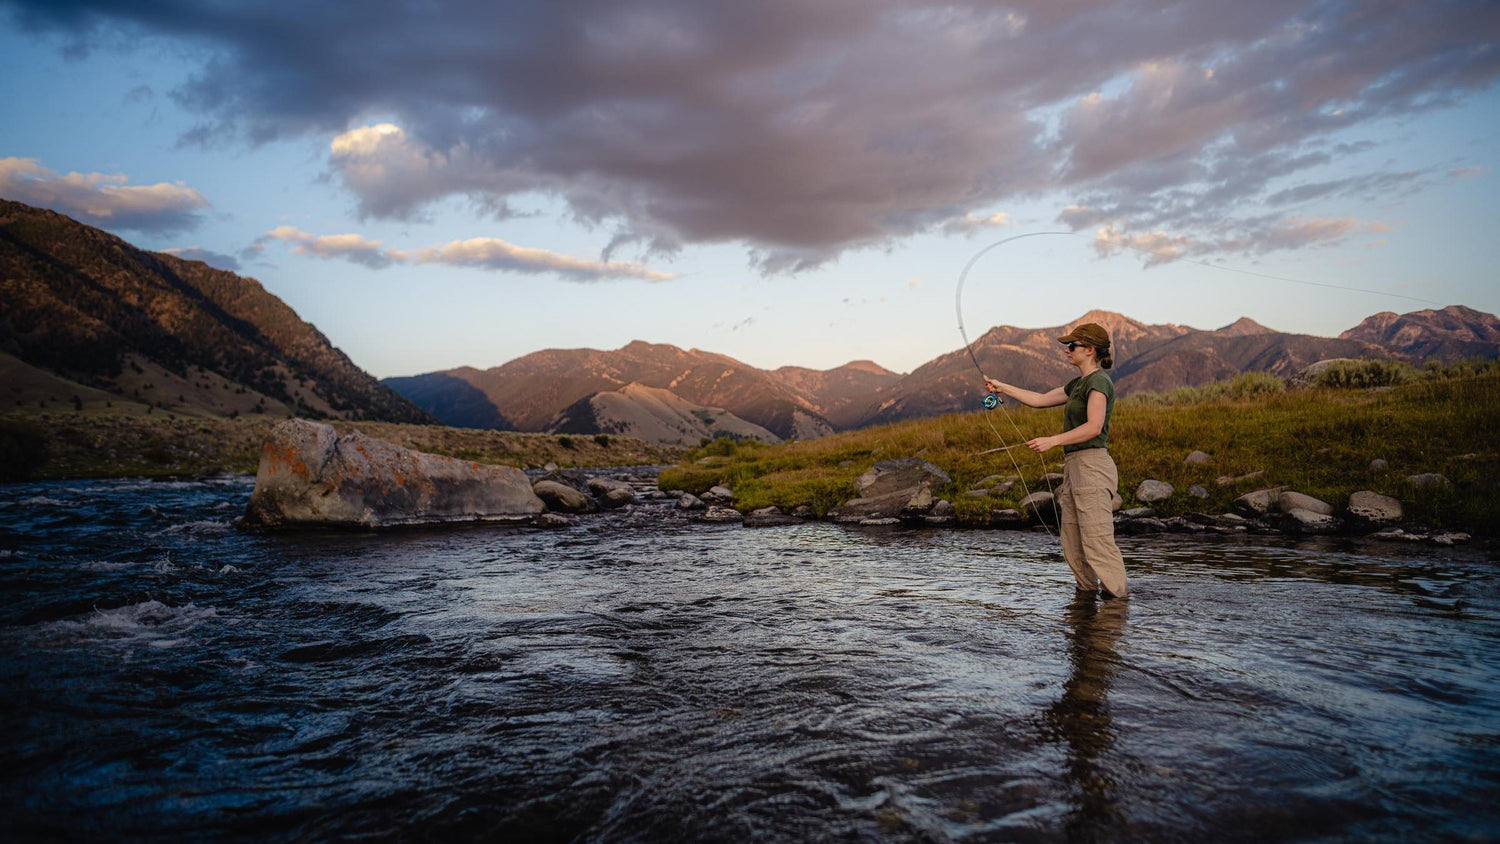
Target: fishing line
point(992, 401)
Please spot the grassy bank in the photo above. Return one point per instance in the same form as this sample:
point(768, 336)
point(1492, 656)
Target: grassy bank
point(83, 445)
point(1316, 440)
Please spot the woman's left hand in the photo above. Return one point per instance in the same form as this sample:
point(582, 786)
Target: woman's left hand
point(1041, 444)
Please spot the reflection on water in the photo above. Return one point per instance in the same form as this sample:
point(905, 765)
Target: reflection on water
point(639, 677)
point(1080, 717)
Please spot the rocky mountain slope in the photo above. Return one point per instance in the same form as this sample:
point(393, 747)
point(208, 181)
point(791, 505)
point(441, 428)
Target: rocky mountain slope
point(532, 390)
point(653, 415)
point(1451, 333)
point(82, 308)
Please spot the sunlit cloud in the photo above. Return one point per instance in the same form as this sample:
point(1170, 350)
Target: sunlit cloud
point(485, 253)
point(491, 253)
point(976, 223)
point(1269, 235)
point(107, 201)
point(351, 247)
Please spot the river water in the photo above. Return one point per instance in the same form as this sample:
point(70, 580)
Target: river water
point(639, 677)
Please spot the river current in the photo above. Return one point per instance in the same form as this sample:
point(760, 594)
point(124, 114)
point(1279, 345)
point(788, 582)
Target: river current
point(637, 676)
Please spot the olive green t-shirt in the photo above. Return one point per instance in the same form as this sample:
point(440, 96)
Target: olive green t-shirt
point(1076, 411)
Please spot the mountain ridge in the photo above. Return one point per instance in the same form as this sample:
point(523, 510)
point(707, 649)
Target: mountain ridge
point(1149, 358)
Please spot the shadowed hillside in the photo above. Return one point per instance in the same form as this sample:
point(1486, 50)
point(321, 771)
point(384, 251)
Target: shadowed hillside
point(160, 332)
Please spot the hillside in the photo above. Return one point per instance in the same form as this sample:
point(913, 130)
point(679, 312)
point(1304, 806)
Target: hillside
point(653, 415)
point(151, 331)
point(532, 390)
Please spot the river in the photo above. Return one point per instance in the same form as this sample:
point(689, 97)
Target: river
point(637, 676)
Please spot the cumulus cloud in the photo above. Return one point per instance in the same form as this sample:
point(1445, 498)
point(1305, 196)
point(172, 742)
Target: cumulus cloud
point(805, 129)
point(486, 253)
point(107, 201)
point(217, 260)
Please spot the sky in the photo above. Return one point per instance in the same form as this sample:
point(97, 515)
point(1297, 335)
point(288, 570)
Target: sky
point(440, 183)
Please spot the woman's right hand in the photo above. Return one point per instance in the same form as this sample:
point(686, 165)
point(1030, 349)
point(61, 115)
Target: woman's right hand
point(993, 386)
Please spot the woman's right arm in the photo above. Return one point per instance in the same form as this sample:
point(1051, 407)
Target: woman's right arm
point(1029, 398)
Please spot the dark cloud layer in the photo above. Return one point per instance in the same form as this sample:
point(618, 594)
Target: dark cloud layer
point(804, 128)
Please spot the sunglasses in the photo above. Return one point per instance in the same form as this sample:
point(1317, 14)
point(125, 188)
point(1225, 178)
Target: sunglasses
point(1074, 346)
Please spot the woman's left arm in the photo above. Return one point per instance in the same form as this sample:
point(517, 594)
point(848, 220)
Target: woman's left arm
point(1098, 407)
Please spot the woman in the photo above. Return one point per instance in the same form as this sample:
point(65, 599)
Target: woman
point(1090, 478)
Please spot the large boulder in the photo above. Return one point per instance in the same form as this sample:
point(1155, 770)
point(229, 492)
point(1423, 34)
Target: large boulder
point(893, 489)
point(907, 503)
point(888, 476)
point(311, 476)
point(563, 498)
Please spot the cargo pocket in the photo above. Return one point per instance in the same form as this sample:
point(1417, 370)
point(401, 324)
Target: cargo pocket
point(1095, 518)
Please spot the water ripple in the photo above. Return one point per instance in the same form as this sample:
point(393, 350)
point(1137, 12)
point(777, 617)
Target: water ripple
point(637, 676)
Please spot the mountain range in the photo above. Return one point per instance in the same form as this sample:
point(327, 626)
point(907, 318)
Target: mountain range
point(87, 320)
point(547, 390)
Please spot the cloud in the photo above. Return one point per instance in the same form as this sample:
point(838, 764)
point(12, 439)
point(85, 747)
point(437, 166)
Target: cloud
point(486, 253)
point(975, 223)
point(802, 130)
point(103, 200)
point(214, 259)
point(1257, 238)
point(351, 247)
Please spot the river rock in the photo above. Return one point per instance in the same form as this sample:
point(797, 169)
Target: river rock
point(599, 486)
point(1429, 479)
point(1037, 502)
point(617, 497)
point(1372, 508)
point(904, 473)
point(1378, 465)
point(721, 514)
point(1300, 520)
point(1197, 458)
point(562, 498)
point(919, 505)
point(978, 493)
point(892, 505)
point(1146, 525)
point(718, 494)
point(942, 513)
point(1138, 513)
point(1287, 501)
point(1259, 502)
point(311, 476)
point(1197, 491)
point(1450, 537)
point(770, 517)
point(689, 501)
point(1150, 491)
point(1007, 517)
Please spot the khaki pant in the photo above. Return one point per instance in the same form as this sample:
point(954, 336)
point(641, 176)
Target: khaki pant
point(1088, 523)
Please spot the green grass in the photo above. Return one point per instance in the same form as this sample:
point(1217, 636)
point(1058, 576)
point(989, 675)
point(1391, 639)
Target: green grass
point(1316, 440)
